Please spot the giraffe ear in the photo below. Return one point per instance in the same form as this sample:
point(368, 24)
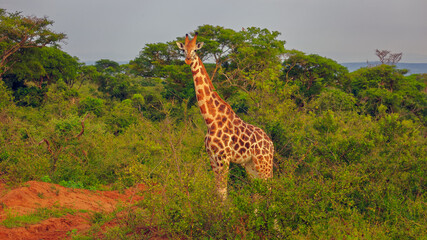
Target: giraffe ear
point(180, 45)
point(199, 45)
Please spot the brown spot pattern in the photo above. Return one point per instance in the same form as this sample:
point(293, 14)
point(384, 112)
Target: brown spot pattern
point(203, 109)
point(195, 72)
point(198, 81)
point(221, 108)
point(229, 138)
point(209, 121)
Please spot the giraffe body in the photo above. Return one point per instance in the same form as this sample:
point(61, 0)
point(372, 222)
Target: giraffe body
point(229, 138)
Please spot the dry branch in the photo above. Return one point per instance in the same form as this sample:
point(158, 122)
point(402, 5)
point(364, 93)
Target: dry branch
point(388, 58)
point(59, 149)
point(83, 127)
point(48, 145)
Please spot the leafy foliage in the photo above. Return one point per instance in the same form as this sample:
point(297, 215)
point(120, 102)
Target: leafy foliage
point(387, 86)
point(350, 147)
point(312, 73)
point(5, 96)
point(90, 104)
point(37, 68)
point(19, 32)
point(44, 65)
point(106, 65)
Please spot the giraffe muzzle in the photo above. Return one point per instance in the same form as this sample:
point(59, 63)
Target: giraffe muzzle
point(188, 60)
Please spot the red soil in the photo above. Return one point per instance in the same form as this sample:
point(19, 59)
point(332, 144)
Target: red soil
point(33, 195)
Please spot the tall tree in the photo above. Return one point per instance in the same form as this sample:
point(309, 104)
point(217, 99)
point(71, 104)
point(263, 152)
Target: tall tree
point(42, 66)
point(311, 72)
point(107, 65)
point(152, 58)
point(19, 32)
point(255, 59)
point(238, 60)
point(385, 85)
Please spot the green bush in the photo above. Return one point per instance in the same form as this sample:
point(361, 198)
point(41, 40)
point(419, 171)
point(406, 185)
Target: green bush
point(122, 116)
point(350, 155)
point(5, 96)
point(90, 104)
point(333, 99)
point(30, 96)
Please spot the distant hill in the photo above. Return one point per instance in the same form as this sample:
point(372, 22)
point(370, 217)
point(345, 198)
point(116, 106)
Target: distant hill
point(93, 62)
point(413, 68)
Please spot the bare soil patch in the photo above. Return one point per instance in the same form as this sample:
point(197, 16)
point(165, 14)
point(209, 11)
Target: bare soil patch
point(34, 195)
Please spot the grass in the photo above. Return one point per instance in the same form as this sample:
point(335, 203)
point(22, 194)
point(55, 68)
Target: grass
point(13, 220)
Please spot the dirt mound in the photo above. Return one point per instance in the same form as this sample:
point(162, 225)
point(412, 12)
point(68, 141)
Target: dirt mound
point(36, 195)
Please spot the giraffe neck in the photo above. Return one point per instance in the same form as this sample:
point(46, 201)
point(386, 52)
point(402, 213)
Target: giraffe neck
point(210, 104)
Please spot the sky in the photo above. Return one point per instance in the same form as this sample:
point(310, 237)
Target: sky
point(343, 30)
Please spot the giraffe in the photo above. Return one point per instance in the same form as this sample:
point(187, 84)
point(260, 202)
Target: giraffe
point(229, 138)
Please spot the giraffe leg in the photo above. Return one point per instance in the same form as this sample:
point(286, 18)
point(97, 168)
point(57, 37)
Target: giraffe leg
point(269, 168)
point(257, 170)
point(260, 167)
point(251, 170)
point(220, 166)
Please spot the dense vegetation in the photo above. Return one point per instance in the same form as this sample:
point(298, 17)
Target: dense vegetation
point(350, 147)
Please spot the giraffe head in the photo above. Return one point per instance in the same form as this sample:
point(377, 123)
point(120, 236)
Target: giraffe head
point(190, 48)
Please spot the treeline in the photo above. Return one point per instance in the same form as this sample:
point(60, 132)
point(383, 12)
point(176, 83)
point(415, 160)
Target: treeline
point(350, 147)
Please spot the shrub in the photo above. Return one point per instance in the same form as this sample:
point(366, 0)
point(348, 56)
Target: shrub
point(30, 96)
point(5, 96)
point(122, 116)
point(90, 104)
point(333, 99)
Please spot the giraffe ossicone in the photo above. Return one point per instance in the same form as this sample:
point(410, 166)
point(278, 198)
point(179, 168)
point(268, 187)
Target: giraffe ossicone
point(229, 138)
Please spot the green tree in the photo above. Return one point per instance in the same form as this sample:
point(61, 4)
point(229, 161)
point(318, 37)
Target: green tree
point(107, 65)
point(241, 59)
point(162, 61)
point(178, 83)
point(413, 90)
point(255, 59)
point(381, 76)
point(87, 73)
point(19, 32)
point(219, 42)
point(37, 68)
point(119, 86)
point(44, 66)
point(385, 85)
point(152, 58)
point(311, 73)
